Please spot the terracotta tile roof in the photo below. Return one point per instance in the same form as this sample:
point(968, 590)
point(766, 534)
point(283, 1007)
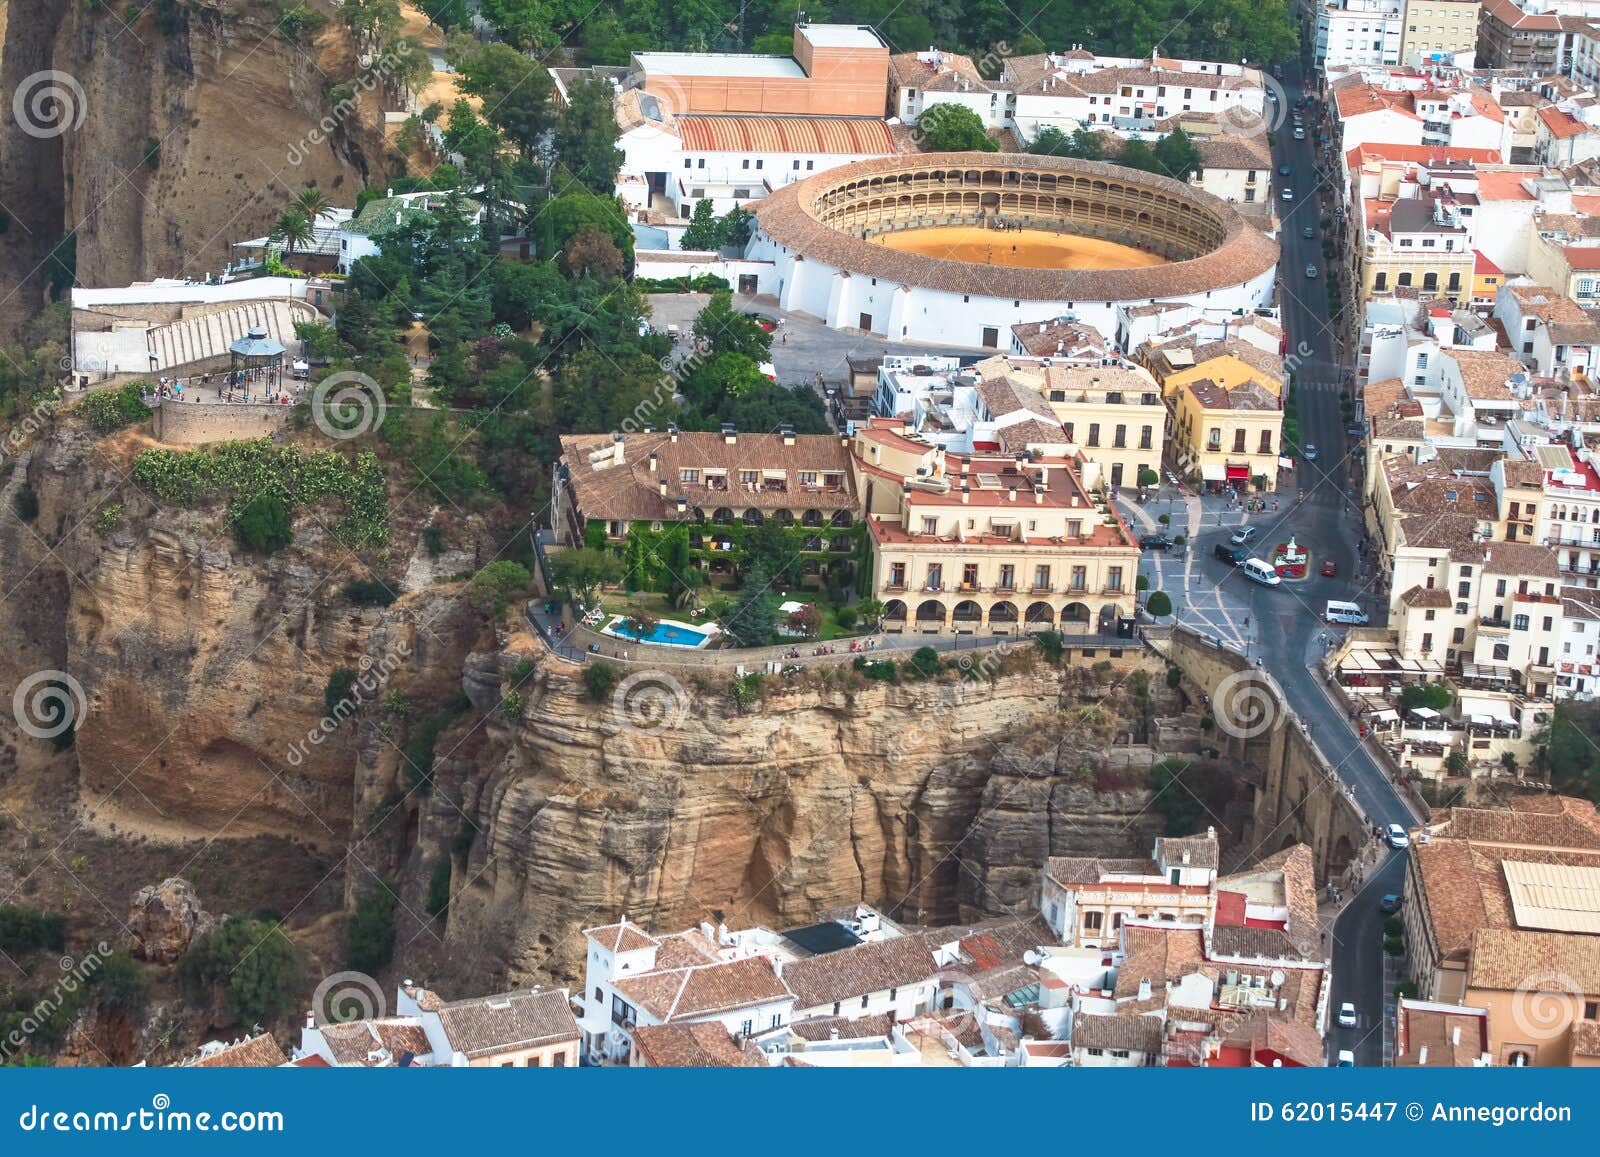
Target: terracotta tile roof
point(1378, 396)
point(1111, 80)
point(1033, 432)
point(1507, 960)
point(851, 973)
point(1249, 353)
point(1157, 954)
point(683, 993)
point(1141, 1033)
point(631, 491)
point(1560, 125)
point(1507, 13)
point(1004, 395)
point(1294, 1040)
point(1231, 152)
point(1426, 1026)
point(258, 1052)
point(623, 937)
point(1520, 558)
point(1200, 850)
point(1043, 339)
point(634, 108)
point(509, 1021)
point(953, 73)
point(1249, 396)
point(682, 949)
point(1522, 473)
point(1358, 101)
point(821, 1028)
point(1420, 596)
point(1070, 871)
point(790, 216)
point(785, 134)
point(1484, 373)
point(704, 1045)
point(1586, 1038)
point(355, 1042)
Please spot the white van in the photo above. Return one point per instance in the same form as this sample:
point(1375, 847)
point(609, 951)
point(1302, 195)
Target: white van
point(1339, 612)
point(1261, 572)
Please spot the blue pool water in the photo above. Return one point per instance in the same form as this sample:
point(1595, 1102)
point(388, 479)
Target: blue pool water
point(661, 633)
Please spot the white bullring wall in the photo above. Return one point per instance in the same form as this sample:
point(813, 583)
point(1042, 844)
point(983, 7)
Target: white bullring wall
point(914, 313)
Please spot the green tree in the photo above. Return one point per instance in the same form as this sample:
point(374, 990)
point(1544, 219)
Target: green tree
point(121, 986)
point(311, 201)
point(494, 586)
point(584, 572)
point(1137, 155)
point(263, 524)
point(737, 227)
point(726, 331)
point(600, 680)
point(954, 128)
point(703, 232)
point(251, 963)
point(1435, 696)
point(292, 230)
point(1178, 156)
point(753, 622)
point(369, 940)
point(586, 136)
point(1180, 809)
point(514, 88)
point(1159, 604)
point(575, 210)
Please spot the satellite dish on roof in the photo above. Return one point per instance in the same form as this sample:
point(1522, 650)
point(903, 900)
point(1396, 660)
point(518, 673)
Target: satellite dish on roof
point(1277, 978)
point(1032, 958)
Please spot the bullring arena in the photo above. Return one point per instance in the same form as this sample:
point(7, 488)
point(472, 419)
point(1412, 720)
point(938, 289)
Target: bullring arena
point(956, 248)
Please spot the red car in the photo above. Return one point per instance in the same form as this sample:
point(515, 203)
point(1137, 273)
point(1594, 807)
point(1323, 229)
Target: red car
point(1329, 569)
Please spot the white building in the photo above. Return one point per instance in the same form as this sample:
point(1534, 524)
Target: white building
point(1359, 32)
point(1577, 666)
point(358, 235)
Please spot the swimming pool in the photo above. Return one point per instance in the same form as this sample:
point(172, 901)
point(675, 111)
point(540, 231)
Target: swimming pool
point(665, 633)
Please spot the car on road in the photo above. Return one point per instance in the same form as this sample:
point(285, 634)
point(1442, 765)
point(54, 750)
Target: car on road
point(1260, 571)
point(1397, 837)
point(1243, 535)
point(1232, 555)
point(1347, 1059)
point(1330, 569)
point(1288, 194)
point(1356, 430)
point(1311, 272)
point(1347, 1015)
point(1283, 170)
point(1271, 95)
point(1154, 542)
point(1308, 232)
point(1390, 904)
point(1310, 451)
point(1299, 134)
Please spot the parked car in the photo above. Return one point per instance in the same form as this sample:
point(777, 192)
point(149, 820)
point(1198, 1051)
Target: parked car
point(1311, 272)
point(1308, 232)
point(1330, 569)
point(1347, 1059)
point(1288, 194)
point(1154, 542)
point(1356, 430)
point(1390, 904)
point(1283, 170)
point(1299, 134)
point(1243, 535)
point(1397, 837)
point(1310, 451)
point(1347, 1015)
point(1232, 555)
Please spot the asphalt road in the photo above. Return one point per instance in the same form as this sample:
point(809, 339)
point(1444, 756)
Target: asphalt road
point(1289, 625)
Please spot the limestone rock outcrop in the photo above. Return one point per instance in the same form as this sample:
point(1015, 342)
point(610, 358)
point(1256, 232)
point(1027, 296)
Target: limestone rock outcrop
point(165, 919)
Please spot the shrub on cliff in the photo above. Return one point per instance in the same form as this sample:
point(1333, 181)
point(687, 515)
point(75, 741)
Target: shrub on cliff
point(110, 410)
point(23, 929)
point(26, 503)
point(255, 967)
point(370, 592)
point(438, 902)
point(600, 679)
point(262, 524)
point(369, 941)
point(497, 584)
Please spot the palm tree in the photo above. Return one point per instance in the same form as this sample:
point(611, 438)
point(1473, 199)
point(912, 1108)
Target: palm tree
point(311, 201)
point(292, 230)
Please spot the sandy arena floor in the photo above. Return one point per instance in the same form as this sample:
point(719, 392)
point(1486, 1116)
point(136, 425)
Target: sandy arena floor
point(1027, 248)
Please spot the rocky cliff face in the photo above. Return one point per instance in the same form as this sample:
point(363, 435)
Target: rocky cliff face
point(231, 109)
point(203, 673)
point(936, 800)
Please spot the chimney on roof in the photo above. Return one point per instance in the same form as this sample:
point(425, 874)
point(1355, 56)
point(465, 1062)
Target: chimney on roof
point(833, 1034)
point(672, 431)
point(683, 504)
point(730, 434)
point(966, 495)
point(653, 457)
point(1038, 494)
point(1013, 497)
point(617, 455)
point(311, 1018)
point(1422, 1055)
point(1144, 988)
point(1211, 832)
point(1455, 1035)
point(788, 434)
point(661, 487)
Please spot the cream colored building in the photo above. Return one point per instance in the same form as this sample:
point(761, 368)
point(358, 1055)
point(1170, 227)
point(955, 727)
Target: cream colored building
point(992, 544)
point(1438, 28)
point(1227, 436)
